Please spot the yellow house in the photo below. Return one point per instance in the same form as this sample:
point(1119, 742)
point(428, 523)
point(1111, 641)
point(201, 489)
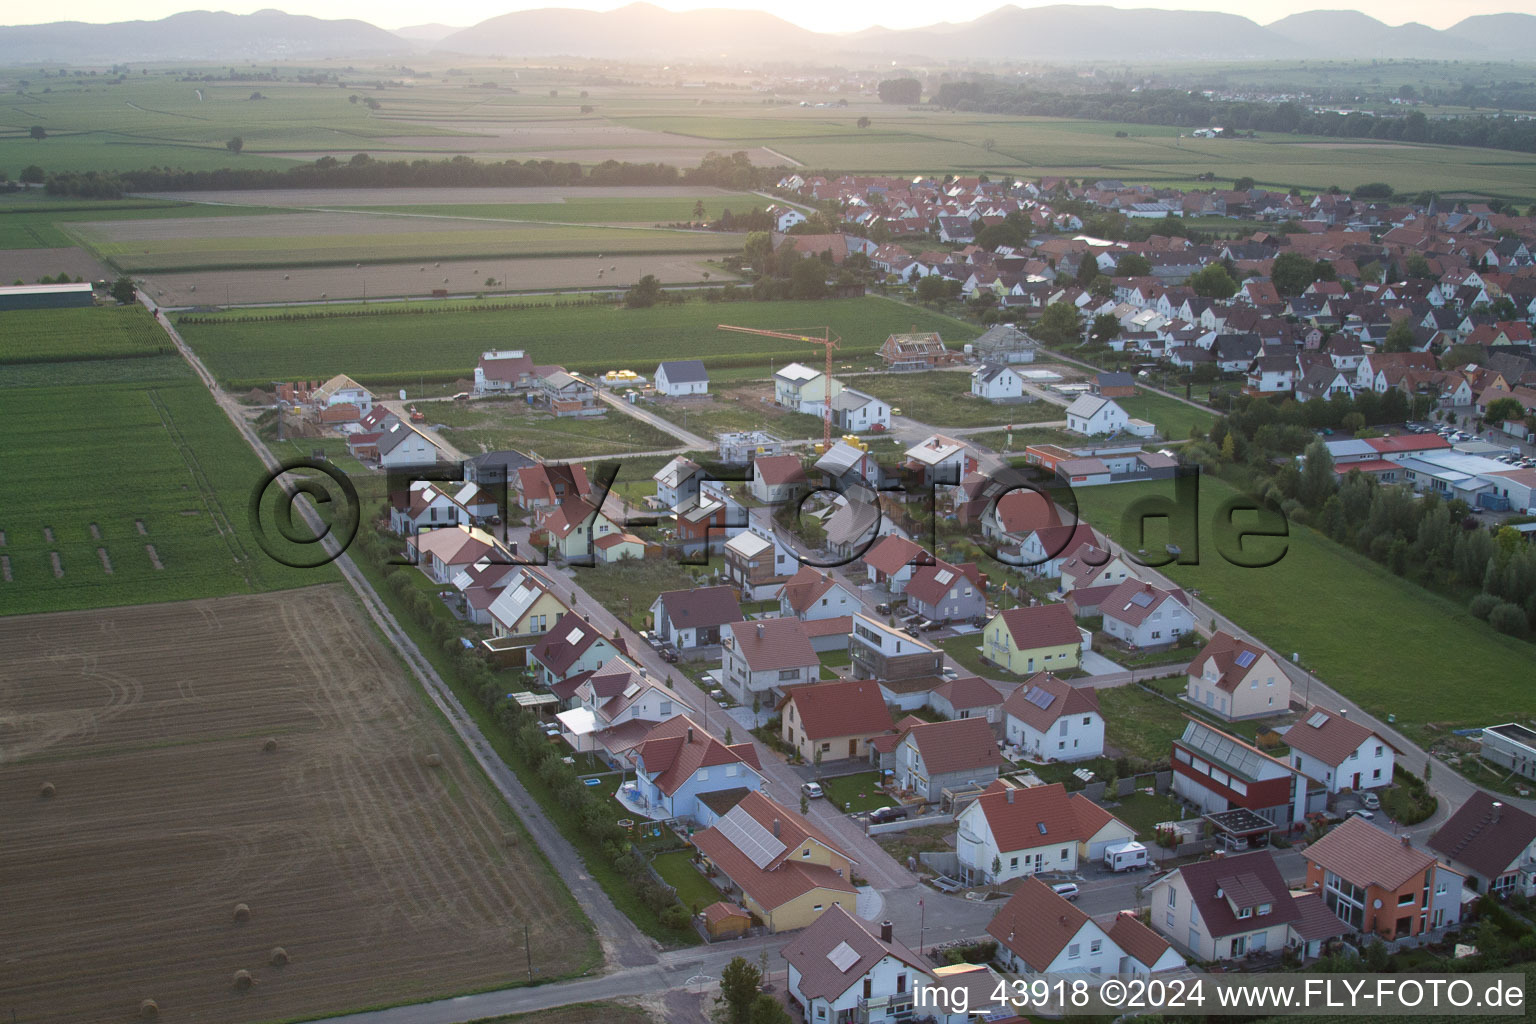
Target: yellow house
point(527, 606)
point(1042, 638)
point(786, 870)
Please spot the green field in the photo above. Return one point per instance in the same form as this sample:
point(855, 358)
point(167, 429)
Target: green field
point(27, 222)
point(1172, 418)
point(115, 455)
point(942, 398)
point(1380, 640)
point(388, 347)
point(661, 210)
point(497, 425)
point(65, 335)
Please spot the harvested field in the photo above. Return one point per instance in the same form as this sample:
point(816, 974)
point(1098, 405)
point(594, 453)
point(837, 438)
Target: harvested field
point(465, 277)
point(27, 265)
point(294, 197)
point(381, 879)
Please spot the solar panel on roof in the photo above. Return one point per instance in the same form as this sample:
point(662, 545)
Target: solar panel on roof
point(843, 956)
point(944, 576)
point(1318, 720)
point(574, 635)
point(749, 836)
point(1245, 658)
point(1141, 599)
point(631, 689)
point(1040, 697)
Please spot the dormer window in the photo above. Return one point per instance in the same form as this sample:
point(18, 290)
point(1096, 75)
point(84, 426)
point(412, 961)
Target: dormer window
point(1244, 913)
point(1264, 908)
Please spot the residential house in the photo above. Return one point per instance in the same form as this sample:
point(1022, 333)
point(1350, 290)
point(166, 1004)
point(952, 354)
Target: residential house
point(1492, 843)
point(501, 371)
point(1039, 932)
point(1094, 416)
point(1235, 679)
point(540, 486)
point(844, 969)
point(893, 559)
point(849, 464)
point(997, 382)
point(1013, 831)
point(479, 586)
point(786, 870)
point(443, 553)
point(678, 761)
point(574, 647)
point(527, 605)
point(939, 460)
point(1379, 883)
point(1039, 638)
point(574, 527)
point(757, 565)
point(426, 506)
point(832, 721)
point(1014, 515)
point(677, 483)
point(817, 594)
point(860, 413)
point(1049, 719)
point(966, 697)
point(1146, 616)
point(1003, 343)
point(687, 619)
point(340, 400)
point(935, 757)
point(760, 660)
point(1340, 753)
point(1225, 908)
point(777, 479)
point(566, 394)
point(681, 377)
point(1273, 375)
point(803, 389)
point(785, 217)
point(1107, 384)
point(610, 724)
point(1093, 567)
point(947, 593)
point(889, 654)
point(1217, 771)
point(402, 446)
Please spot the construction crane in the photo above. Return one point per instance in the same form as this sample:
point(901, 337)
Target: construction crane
point(827, 340)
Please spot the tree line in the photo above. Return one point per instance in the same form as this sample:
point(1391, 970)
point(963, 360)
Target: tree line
point(734, 171)
point(1183, 109)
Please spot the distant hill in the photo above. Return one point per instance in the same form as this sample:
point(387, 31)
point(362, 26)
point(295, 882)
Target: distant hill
point(194, 35)
point(638, 30)
point(644, 31)
point(427, 33)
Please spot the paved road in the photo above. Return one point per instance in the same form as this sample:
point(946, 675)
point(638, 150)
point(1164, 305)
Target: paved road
point(621, 940)
point(659, 422)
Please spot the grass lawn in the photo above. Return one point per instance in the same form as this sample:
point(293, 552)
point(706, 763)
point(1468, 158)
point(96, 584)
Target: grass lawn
point(855, 793)
point(737, 408)
point(835, 659)
point(385, 346)
point(1382, 641)
point(998, 440)
point(496, 424)
point(1143, 811)
point(942, 398)
point(628, 589)
point(1172, 418)
point(967, 651)
point(1139, 725)
point(694, 890)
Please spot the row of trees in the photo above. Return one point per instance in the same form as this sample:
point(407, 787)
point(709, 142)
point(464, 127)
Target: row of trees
point(734, 171)
point(1193, 109)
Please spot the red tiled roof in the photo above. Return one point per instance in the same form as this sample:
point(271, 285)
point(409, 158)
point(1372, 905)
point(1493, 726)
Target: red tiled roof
point(810, 954)
point(1118, 604)
point(1407, 442)
point(929, 583)
point(673, 750)
point(570, 638)
point(776, 470)
point(1223, 648)
point(968, 692)
point(961, 745)
point(1486, 838)
point(850, 707)
point(1332, 741)
point(1036, 924)
point(891, 552)
point(1021, 512)
point(1136, 939)
point(1260, 881)
point(770, 644)
point(1316, 921)
point(1016, 824)
point(838, 625)
point(1043, 625)
point(1365, 855)
point(806, 587)
point(1066, 699)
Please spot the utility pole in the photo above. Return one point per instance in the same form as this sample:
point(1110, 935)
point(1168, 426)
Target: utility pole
point(528, 949)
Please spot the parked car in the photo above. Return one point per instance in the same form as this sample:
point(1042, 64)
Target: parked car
point(1067, 890)
point(1361, 813)
point(650, 639)
point(883, 608)
point(881, 815)
point(929, 625)
point(668, 654)
point(812, 790)
point(1370, 801)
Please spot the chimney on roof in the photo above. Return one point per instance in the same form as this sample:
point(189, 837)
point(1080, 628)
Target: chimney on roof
point(1343, 712)
point(1498, 810)
point(1063, 920)
point(759, 630)
point(1010, 794)
point(690, 734)
point(776, 828)
point(885, 931)
point(1407, 840)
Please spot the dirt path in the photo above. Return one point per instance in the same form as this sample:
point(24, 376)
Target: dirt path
point(649, 418)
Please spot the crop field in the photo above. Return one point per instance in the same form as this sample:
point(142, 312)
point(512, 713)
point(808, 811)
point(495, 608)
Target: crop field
point(638, 211)
point(256, 752)
point(30, 265)
point(419, 280)
point(128, 485)
point(1327, 603)
point(62, 335)
point(942, 398)
point(27, 222)
point(283, 240)
point(498, 424)
point(386, 346)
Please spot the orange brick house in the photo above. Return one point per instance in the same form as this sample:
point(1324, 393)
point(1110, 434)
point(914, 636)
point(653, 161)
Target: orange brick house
point(1380, 883)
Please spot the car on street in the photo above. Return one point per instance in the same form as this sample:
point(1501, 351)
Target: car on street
point(1066, 890)
point(668, 654)
point(812, 790)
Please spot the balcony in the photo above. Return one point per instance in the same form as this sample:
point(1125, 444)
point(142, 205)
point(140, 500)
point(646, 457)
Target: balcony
point(879, 1009)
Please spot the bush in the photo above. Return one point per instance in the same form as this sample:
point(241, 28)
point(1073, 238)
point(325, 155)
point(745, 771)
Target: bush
point(1510, 619)
point(1408, 801)
point(676, 917)
point(1483, 604)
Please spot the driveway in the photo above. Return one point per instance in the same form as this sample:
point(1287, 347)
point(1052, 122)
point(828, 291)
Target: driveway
point(1095, 664)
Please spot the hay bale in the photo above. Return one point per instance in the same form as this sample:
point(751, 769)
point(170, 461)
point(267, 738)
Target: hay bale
point(47, 791)
point(242, 912)
point(433, 760)
point(243, 979)
point(279, 956)
point(270, 746)
point(149, 1009)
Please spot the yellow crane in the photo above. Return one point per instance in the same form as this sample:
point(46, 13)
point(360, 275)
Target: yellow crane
point(827, 340)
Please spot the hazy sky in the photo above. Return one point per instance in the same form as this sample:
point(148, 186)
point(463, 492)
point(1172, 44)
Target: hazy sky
point(821, 15)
